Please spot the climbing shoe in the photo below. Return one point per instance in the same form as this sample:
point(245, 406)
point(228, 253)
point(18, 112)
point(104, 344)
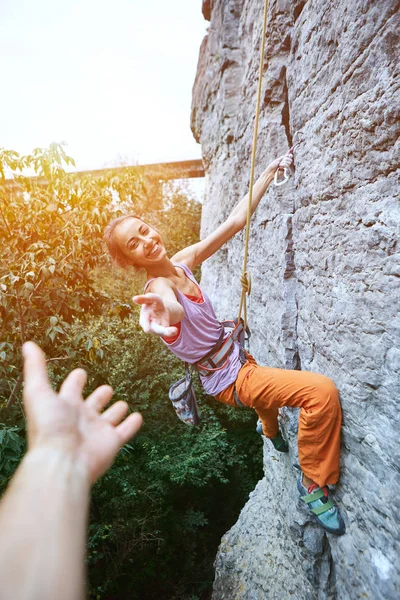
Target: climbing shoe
point(321, 506)
point(259, 427)
point(278, 441)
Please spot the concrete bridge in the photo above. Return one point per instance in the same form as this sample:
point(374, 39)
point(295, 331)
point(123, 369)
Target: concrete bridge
point(185, 169)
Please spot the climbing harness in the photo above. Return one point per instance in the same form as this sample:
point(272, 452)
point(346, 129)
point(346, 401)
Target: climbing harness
point(182, 393)
point(218, 357)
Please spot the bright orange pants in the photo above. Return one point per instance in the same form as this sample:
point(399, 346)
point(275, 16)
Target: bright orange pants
point(266, 390)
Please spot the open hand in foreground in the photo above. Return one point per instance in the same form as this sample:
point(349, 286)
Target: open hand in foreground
point(68, 423)
point(154, 315)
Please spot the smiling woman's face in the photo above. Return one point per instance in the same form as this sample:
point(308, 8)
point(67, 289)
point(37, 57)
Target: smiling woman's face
point(141, 244)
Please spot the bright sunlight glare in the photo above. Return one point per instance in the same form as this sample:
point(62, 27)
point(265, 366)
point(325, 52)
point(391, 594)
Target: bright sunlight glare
point(113, 80)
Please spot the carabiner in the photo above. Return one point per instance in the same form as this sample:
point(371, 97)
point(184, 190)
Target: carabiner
point(278, 181)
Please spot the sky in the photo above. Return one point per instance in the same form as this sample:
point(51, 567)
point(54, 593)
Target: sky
point(112, 79)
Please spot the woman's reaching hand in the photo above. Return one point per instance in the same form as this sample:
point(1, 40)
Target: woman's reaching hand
point(154, 315)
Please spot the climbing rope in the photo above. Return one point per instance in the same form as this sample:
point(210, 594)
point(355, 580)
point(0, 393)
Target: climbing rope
point(245, 278)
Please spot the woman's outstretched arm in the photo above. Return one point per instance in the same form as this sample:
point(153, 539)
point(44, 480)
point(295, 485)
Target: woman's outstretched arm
point(198, 253)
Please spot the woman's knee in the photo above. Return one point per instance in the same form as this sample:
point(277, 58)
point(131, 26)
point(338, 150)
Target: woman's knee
point(327, 394)
point(328, 387)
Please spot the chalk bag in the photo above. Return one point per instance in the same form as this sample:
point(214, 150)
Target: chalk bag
point(183, 398)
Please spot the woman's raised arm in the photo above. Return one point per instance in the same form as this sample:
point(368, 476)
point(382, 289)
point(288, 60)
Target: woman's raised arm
point(197, 253)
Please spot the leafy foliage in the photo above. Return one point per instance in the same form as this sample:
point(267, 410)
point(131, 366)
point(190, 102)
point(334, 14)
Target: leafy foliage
point(52, 231)
point(12, 447)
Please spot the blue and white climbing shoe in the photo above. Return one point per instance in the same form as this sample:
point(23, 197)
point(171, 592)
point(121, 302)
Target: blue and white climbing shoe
point(259, 427)
point(321, 506)
point(278, 441)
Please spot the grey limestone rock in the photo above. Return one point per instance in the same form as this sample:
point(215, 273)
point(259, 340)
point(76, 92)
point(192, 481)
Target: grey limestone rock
point(325, 266)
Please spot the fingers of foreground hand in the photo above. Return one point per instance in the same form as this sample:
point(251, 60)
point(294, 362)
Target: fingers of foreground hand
point(128, 428)
point(100, 397)
point(35, 372)
point(115, 413)
point(72, 387)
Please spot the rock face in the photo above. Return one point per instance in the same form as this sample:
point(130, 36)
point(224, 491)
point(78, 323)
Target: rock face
point(325, 267)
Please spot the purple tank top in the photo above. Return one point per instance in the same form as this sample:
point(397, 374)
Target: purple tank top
point(200, 331)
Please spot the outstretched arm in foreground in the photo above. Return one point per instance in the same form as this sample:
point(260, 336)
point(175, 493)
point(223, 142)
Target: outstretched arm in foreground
point(197, 253)
point(43, 515)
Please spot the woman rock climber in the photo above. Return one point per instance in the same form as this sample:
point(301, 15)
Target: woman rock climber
point(175, 308)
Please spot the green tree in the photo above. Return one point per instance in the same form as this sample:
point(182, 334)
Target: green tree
point(52, 226)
